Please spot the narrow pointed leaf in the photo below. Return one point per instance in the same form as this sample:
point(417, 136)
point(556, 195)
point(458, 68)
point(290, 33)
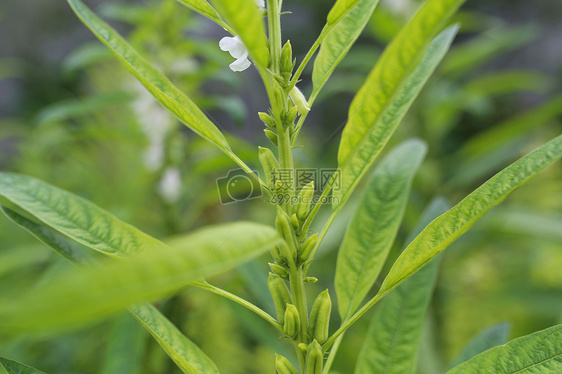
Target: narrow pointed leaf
point(487, 339)
point(247, 21)
point(75, 217)
point(204, 8)
point(74, 298)
point(157, 83)
point(390, 89)
point(442, 231)
point(188, 356)
point(540, 352)
point(393, 338)
point(14, 367)
point(372, 230)
point(125, 346)
point(339, 39)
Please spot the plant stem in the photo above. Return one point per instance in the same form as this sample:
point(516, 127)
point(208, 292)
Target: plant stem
point(274, 25)
point(296, 279)
point(332, 355)
point(239, 300)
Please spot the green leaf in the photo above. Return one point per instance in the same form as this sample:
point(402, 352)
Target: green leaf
point(487, 339)
point(247, 22)
point(540, 352)
point(75, 217)
point(14, 367)
point(204, 8)
point(186, 354)
point(390, 89)
point(181, 350)
point(340, 38)
point(73, 298)
point(394, 334)
point(442, 231)
point(157, 83)
point(372, 230)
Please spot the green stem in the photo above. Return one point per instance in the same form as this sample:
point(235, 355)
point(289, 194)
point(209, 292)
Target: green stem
point(332, 355)
point(274, 25)
point(296, 279)
point(239, 300)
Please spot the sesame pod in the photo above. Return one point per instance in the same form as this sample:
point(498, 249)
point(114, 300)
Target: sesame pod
point(291, 115)
point(276, 254)
point(320, 317)
point(284, 366)
point(310, 280)
point(270, 166)
point(299, 100)
point(295, 222)
point(307, 248)
point(292, 323)
point(280, 98)
point(280, 293)
point(268, 120)
point(283, 225)
point(303, 201)
point(279, 270)
point(271, 136)
point(314, 359)
point(286, 62)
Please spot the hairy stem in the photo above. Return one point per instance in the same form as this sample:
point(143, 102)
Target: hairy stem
point(296, 278)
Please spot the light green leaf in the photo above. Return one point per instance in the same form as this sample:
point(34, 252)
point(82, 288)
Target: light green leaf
point(247, 22)
point(75, 217)
point(157, 83)
point(540, 352)
point(372, 230)
point(442, 231)
point(204, 8)
point(390, 89)
point(73, 298)
point(393, 338)
point(487, 339)
point(14, 367)
point(186, 354)
point(339, 39)
point(181, 350)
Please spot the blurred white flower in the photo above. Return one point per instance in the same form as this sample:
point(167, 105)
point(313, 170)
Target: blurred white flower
point(170, 185)
point(238, 50)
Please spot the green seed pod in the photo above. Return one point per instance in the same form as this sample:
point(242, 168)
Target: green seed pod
point(299, 100)
point(276, 254)
point(320, 317)
point(280, 97)
point(283, 225)
point(270, 166)
point(268, 120)
point(314, 358)
point(284, 366)
point(280, 293)
point(286, 62)
point(292, 323)
point(291, 116)
point(296, 224)
point(303, 201)
point(307, 248)
point(272, 136)
point(310, 280)
point(279, 270)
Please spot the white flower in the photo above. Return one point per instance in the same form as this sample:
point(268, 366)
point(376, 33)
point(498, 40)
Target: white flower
point(170, 185)
point(238, 50)
point(260, 3)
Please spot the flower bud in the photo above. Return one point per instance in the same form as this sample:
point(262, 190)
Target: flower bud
point(291, 115)
point(279, 270)
point(296, 224)
point(307, 248)
point(270, 166)
point(280, 293)
point(276, 254)
point(299, 100)
point(284, 366)
point(303, 201)
point(268, 120)
point(287, 58)
point(272, 136)
point(319, 322)
point(314, 358)
point(310, 280)
point(283, 225)
point(303, 347)
point(292, 323)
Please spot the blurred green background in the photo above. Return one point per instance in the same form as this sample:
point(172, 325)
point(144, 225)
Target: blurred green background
point(70, 115)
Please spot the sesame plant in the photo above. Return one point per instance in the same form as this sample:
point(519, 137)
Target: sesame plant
point(128, 268)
